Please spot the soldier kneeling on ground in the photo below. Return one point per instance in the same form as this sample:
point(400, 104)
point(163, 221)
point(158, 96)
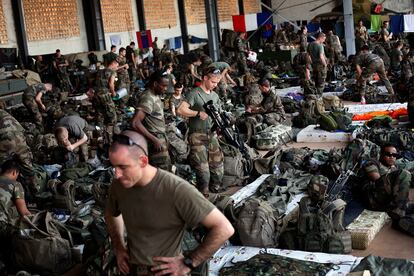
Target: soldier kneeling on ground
point(386, 188)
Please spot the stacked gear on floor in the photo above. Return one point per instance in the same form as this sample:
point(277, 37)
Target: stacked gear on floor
point(337, 119)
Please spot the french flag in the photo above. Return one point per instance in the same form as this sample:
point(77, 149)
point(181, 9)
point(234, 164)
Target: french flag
point(250, 22)
point(144, 39)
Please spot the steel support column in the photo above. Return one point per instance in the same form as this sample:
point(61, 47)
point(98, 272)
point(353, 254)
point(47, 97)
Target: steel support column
point(349, 27)
point(141, 15)
point(213, 29)
point(94, 25)
point(183, 25)
point(18, 16)
point(241, 7)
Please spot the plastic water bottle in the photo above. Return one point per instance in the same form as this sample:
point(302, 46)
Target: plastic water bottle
point(276, 170)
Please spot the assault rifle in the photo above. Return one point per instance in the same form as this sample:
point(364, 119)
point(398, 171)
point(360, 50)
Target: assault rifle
point(336, 190)
point(222, 123)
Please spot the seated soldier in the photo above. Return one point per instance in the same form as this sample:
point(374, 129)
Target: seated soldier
point(386, 189)
point(271, 106)
point(12, 205)
point(70, 132)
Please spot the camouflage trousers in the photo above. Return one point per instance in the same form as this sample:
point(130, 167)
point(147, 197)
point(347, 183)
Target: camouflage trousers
point(124, 82)
point(160, 159)
point(241, 63)
point(105, 108)
point(390, 193)
point(410, 107)
point(64, 82)
point(374, 67)
point(272, 119)
point(319, 76)
point(206, 159)
point(31, 105)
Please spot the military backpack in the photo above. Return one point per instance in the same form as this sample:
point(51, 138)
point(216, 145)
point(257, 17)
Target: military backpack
point(256, 224)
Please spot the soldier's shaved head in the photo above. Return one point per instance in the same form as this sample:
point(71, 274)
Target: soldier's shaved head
point(137, 138)
point(140, 144)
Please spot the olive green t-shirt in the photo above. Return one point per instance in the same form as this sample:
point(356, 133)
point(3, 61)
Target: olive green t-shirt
point(157, 214)
point(151, 104)
point(315, 49)
point(196, 98)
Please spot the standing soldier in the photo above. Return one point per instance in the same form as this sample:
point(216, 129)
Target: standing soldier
point(361, 35)
point(105, 90)
point(149, 120)
point(123, 76)
point(60, 64)
point(241, 52)
point(334, 47)
point(385, 35)
point(319, 62)
point(302, 65)
point(366, 65)
point(396, 56)
point(32, 100)
point(110, 55)
point(206, 157)
point(303, 37)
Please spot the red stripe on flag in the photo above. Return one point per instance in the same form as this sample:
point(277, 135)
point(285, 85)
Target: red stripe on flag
point(139, 40)
point(239, 24)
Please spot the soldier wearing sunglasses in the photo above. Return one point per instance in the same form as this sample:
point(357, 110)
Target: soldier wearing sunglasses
point(387, 188)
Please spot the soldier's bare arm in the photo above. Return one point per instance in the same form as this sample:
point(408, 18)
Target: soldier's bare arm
point(139, 126)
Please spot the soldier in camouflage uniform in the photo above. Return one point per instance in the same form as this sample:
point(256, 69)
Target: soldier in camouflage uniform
point(366, 65)
point(149, 120)
point(396, 56)
point(104, 91)
point(206, 157)
point(334, 47)
point(241, 51)
point(302, 65)
point(319, 62)
point(385, 35)
point(12, 205)
point(32, 100)
point(271, 106)
point(60, 64)
point(123, 75)
point(303, 37)
point(387, 189)
point(13, 142)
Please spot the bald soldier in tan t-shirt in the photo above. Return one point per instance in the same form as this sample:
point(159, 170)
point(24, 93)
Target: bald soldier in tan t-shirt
point(156, 207)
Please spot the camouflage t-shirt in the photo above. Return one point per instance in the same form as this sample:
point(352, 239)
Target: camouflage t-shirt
point(32, 90)
point(395, 57)
point(103, 77)
point(196, 98)
point(378, 167)
point(9, 192)
point(153, 107)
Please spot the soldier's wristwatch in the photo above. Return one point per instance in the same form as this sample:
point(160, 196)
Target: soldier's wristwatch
point(189, 263)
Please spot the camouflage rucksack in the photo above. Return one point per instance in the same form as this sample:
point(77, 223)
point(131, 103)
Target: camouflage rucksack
point(320, 227)
point(234, 166)
point(311, 108)
point(272, 137)
point(342, 117)
point(254, 96)
point(256, 223)
point(40, 179)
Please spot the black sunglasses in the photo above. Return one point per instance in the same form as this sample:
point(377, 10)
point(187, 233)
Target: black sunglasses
point(390, 154)
point(125, 140)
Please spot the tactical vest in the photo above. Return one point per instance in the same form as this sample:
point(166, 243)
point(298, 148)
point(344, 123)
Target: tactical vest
point(320, 228)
